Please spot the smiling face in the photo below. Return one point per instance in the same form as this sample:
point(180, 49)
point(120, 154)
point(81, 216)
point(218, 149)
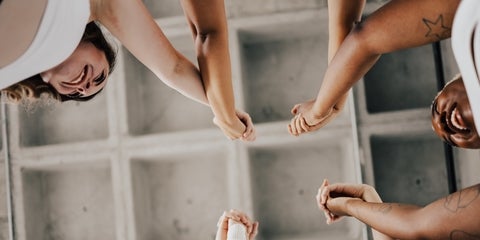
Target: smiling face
point(82, 74)
point(452, 117)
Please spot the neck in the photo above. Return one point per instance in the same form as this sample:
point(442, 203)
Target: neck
point(94, 7)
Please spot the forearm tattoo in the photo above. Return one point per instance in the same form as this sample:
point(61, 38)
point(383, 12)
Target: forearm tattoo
point(462, 199)
point(458, 201)
point(383, 208)
point(436, 28)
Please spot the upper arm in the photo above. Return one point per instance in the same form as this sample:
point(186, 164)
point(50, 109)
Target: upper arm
point(403, 24)
point(131, 23)
point(454, 216)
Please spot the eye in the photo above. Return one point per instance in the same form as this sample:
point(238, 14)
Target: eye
point(99, 79)
point(74, 95)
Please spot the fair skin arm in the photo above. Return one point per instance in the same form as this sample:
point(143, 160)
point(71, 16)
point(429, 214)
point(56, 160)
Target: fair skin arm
point(222, 231)
point(452, 217)
point(132, 24)
point(342, 16)
point(396, 25)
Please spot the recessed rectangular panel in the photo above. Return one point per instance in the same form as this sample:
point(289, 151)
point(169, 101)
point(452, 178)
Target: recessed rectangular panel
point(71, 203)
point(409, 168)
point(179, 197)
point(285, 180)
point(239, 8)
point(46, 123)
point(282, 66)
point(401, 80)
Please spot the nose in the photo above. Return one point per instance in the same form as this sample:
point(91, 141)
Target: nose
point(83, 89)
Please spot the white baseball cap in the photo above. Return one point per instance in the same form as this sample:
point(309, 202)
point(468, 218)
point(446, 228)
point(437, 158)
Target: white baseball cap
point(466, 48)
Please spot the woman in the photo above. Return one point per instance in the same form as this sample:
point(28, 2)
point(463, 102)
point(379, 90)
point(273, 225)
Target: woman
point(59, 25)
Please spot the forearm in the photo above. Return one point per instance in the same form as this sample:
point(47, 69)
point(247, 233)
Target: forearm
point(452, 217)
point(393, 220)
point(214, 62)
point(212, 50)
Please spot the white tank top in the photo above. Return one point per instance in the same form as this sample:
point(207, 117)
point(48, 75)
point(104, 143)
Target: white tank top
point(466, 48)
point(60, 31)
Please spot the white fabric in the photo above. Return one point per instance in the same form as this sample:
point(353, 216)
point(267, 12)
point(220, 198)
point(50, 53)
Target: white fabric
point(236, 231)
point(465, 36)
point(59, 33)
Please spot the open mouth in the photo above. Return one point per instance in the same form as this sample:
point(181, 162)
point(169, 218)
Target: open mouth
point(455, 122)
point(80, 78)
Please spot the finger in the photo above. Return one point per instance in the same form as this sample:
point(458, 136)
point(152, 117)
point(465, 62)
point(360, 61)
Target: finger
point(249, 138)
point(324, 195)
point(254, 232)
point(244, 220)
point(295, 109)
point(290, 130)
point(303, 124)
point(293, 128)
point(223, 221)
point(297, 125)
point(327, 215)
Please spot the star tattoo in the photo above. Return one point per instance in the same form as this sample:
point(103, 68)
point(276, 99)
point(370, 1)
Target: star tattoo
point(436, 28)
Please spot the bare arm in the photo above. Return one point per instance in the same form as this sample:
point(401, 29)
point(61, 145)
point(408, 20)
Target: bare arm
point(342, 16)
point(208, 23)
point(399, 24)
point(360, 191)
point(453, 217)
point(132, 24)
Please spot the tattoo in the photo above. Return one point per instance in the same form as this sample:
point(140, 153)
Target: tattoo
point(383, 208)
point(459, 234)
point(462, 199)
point(437, 28)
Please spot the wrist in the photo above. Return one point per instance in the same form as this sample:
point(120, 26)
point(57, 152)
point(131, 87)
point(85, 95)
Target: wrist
point(351, 205)
point(371, 195)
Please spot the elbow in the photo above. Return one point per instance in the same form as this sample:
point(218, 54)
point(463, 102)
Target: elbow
point(174, 71)
point(417, 228)
point(363, 36)
point(203, 32)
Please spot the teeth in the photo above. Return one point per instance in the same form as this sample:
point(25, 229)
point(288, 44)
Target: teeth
point(454, 120)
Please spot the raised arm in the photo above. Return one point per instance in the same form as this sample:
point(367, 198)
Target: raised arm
point(399, 24)
point(342, 17)
point(453, 217)
point(208, 23)
point(132, 24)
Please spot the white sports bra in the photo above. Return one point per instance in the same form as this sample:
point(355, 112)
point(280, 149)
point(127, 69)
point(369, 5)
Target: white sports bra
point(60, 31)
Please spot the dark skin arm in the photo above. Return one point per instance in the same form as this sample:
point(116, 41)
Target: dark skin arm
point(452, 217)
point(208, 24)
point(399, 24)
